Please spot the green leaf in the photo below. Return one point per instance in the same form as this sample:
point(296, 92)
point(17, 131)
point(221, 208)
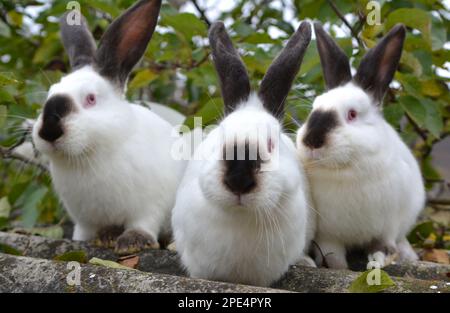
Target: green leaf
point(438, 34)
point(143, 78)
point(30, 206)
point(242, 29)
point(47, 49)
point(108, 263)
point(105, 7)
point(54, 232)
point(78, 256)
point(414, 18)
point(424, 112)
point(4, 248)
point(363, 283)
point(393, 114)
point(258, 38)
point(16, 18)
point(5, 207)
point(186, 24)
point(210, 112)
point(412, 63)
point(428, 170)
point(433, 88)
point(7, 79)
point(421, 232)
point(4, 30)
point(4, 223)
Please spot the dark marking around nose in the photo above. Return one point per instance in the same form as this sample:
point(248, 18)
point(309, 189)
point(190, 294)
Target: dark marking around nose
point(319, 125)
point(56, 108)
point(240, 175)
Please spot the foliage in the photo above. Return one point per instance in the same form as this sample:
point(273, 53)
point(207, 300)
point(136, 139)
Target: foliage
point(368, 282)
point(177, 71)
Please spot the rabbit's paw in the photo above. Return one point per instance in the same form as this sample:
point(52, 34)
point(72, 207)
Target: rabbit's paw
point(382, 253)
point(107, 236)
point(133, 241)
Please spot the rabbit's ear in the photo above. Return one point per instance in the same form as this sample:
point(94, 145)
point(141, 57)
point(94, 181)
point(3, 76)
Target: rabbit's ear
point(378, 66)
point(77, 40)
point(335, 64)
point(278, 80)
point(234, 81)
point(126, 40)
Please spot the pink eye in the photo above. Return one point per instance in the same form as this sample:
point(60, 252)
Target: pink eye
point(90, 101)
point(351, 115)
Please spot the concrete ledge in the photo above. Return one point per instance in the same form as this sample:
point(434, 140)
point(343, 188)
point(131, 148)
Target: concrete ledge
point(411, 277)
point(24, 274)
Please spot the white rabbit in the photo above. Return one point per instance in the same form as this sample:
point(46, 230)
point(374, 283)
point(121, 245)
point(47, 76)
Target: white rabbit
point(245, 218)
point(365, 183)
point(110, 160)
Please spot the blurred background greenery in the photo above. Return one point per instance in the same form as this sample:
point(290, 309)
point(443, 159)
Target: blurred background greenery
point(177, 72)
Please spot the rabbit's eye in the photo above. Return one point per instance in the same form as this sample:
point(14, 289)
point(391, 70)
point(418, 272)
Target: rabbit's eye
point(90, 100)
point(351, 115)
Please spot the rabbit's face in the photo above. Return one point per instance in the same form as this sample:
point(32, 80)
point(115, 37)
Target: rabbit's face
point(86, 110)
point(245, 171)
point(253, 159)
point(343, 125)
point(82, 111)
point(346, 124)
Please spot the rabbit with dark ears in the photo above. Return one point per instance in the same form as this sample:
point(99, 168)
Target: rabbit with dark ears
point(244, 217)
point(366, 185)
point(110, 160)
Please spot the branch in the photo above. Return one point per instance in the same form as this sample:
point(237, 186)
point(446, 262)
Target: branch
point(344, 20)
point(438, 201)
point(202, 12)
point(417, 128)
point(172, 66)
point(7, 153)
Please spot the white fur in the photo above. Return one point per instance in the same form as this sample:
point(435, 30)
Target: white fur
point(113, 165)
point(253, 242)
point(365, 182)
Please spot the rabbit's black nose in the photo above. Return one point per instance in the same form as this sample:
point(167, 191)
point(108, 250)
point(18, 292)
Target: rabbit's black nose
point(240, 173)
point(56, 108)
point(318, 127)
point(240, 182)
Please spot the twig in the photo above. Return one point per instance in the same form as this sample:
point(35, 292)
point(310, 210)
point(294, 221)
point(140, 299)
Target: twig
point(344, 20)
point(202, 12)
point(9, 154)
point(417, 128)
point(438, 201)
point(172, 66)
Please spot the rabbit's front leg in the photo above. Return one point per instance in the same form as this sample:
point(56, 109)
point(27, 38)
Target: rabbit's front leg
point(383, 252)
point(83, 232)
point(405, 251)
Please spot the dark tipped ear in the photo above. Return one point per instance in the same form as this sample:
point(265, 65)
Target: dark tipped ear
point(77, 40)
point(378, 66)
point(234, 81)
point(278, 80)
point(335, 64)
point(126, 40)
